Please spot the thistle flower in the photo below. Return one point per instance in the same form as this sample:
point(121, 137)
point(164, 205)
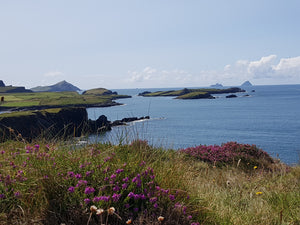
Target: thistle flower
point(160, 218)
point(99, 211)
point(93, 208)
point(111, 210)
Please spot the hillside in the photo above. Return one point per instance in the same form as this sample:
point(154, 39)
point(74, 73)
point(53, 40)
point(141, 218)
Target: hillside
point(60, 86)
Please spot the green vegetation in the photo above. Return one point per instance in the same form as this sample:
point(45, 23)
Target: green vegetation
point(59, 183)
point(195, 95)
point(44, 99)
point(13, 89)
point(192, 93)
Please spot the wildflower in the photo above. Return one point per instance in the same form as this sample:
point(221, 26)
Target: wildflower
point(259, 193)
point(118, 171)
point(111, 210)
point(78, 176)
point(71, 189)
point(172, 197)
point(96, 199)
point(99, 211)
point(161, 218)
point(255, 167)
point(87, 201)
point(88, 173)
point(89, 190)
point(189, 217)
point(116, 197)
point(129, 221)
point(93, 208)
point(2, 196)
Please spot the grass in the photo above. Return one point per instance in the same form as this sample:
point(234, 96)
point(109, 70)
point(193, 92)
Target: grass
point(54, 99)
point(59, 182)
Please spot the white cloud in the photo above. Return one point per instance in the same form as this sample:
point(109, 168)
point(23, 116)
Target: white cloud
point(289, 67)
point(267, 70)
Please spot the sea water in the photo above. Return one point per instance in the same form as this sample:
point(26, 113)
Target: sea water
point(269, 118)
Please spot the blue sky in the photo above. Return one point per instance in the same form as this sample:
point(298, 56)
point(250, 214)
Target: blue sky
point(157, 43)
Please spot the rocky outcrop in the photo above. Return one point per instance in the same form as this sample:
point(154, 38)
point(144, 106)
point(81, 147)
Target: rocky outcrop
point(2, 83)
point(231, 96)
point(124, 121)
point(54, 123)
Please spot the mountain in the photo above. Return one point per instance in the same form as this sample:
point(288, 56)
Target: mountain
point(60, 86)
point(2, 83)
point(246, 84)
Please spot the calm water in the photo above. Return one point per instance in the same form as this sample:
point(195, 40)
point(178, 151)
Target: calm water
point(269, 118)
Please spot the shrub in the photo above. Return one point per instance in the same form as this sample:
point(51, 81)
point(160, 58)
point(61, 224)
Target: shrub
point(248, 156)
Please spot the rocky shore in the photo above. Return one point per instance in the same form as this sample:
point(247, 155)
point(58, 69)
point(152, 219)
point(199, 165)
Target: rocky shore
point(55, 123)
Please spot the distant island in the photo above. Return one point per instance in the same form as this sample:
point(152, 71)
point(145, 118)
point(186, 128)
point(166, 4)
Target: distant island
point(217, 85)
point(202, 93)
point(246, 84)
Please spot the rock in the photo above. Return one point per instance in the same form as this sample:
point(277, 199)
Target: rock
point(231, 96)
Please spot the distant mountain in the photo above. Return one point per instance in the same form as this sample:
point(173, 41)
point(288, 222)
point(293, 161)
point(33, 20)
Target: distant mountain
point(2, 83)
point(217, 85)
point(60, 86)
point(246, 84)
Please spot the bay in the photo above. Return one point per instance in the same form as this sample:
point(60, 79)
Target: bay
point(268, 118)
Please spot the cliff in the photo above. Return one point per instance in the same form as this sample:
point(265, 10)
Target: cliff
point(54, 123)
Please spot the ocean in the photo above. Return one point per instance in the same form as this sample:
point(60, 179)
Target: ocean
point(268, 118)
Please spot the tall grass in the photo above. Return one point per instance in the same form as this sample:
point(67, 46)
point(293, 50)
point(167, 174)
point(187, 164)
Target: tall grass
point(58, 182)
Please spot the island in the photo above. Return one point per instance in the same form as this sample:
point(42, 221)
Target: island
point(202, 93)
point(246, 84)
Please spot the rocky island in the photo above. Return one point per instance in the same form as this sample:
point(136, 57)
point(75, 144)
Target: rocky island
point(202, 93)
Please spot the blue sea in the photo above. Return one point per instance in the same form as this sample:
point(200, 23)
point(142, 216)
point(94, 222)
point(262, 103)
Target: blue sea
point(268, 118)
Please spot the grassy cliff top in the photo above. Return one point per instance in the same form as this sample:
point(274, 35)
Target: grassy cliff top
point(58, 182)
point(39, 99)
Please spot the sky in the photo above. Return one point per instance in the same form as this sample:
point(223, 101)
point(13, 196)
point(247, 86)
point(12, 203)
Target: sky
point(149, 44)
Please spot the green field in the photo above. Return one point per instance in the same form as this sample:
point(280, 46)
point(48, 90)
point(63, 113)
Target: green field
point(15, 100)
